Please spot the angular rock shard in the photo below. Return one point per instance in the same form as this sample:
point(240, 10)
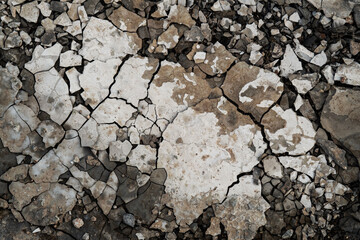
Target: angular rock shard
point(96, 80)
point(252, 88)
point(217, 61)
point(52, 93)
point(288, 132)
point(341, 117)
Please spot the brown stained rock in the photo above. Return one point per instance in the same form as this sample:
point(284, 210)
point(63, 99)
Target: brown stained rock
point(126, 20)
point(253, 89)
point(242, 213)
point(180, 14)
point(203, 152)
point(173, 89)
point(15, 173)
point(341, 117)
point(288, 132)
point(9, 87)
point(217, 61)
point(23, 193)
point(169, 38)
point(50, 206)
point(214, 228)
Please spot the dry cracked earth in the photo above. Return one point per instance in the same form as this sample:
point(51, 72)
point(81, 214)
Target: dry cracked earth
point(179, 119)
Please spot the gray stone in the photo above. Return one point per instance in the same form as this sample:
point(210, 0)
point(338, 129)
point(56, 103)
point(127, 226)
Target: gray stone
point(129, 219)
point(341, 117)
point(50, 206)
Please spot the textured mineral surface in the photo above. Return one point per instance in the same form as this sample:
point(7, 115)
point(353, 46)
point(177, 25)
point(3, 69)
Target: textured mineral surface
point(174, 119)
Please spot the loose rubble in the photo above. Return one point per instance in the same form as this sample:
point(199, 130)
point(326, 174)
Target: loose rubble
point(179, 119)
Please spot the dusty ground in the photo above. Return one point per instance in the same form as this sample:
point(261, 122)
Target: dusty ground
point(175, 119)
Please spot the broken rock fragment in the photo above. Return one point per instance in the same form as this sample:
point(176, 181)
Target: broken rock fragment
point(341, 117)
point(101, 41)
point(50, 206)
point(113, 111)
point(243, 211)
point(52, 93)
point(288, 132)
point(202, 153)
point(9, 87)
point(51, 132)
point(96, 80)
point(348, 74)
point(133, 79)
point(173, 89)
point(23, 193)
point(44, 59)
point(48, 169)
point(217, 61)
point(290, 63)
point(126, 20)
point(252, 88)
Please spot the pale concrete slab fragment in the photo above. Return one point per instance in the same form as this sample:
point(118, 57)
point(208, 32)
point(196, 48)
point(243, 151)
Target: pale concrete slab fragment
point(73, 76)
point(70, 59)
point(48, 169)
point(84, 178)
point(288, 132)
point(202, 153)
point(143, 157)
point(290, 63)
point(96, 80)
point(44, 59)
point(348, 74)
point(51, 132)
point(272, 167)
point(14, 131)
point(101, 38)
point(118, 151)
point(30, 12)
point(113, 110)
point(52, 93)
point(306, 164)
point(69, 149)
point(133, 79)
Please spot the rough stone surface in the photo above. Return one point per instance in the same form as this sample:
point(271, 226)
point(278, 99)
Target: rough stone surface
point(288, 132)
point(96, 80)
point(225, 135)
point(340, 117)
point(242, 213)
point(50, 205)
point(217, 61)
point(100, 40)
point(133, 79)
point(253, 89)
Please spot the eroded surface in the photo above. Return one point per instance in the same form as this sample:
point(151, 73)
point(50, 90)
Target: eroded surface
point(179, 119)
